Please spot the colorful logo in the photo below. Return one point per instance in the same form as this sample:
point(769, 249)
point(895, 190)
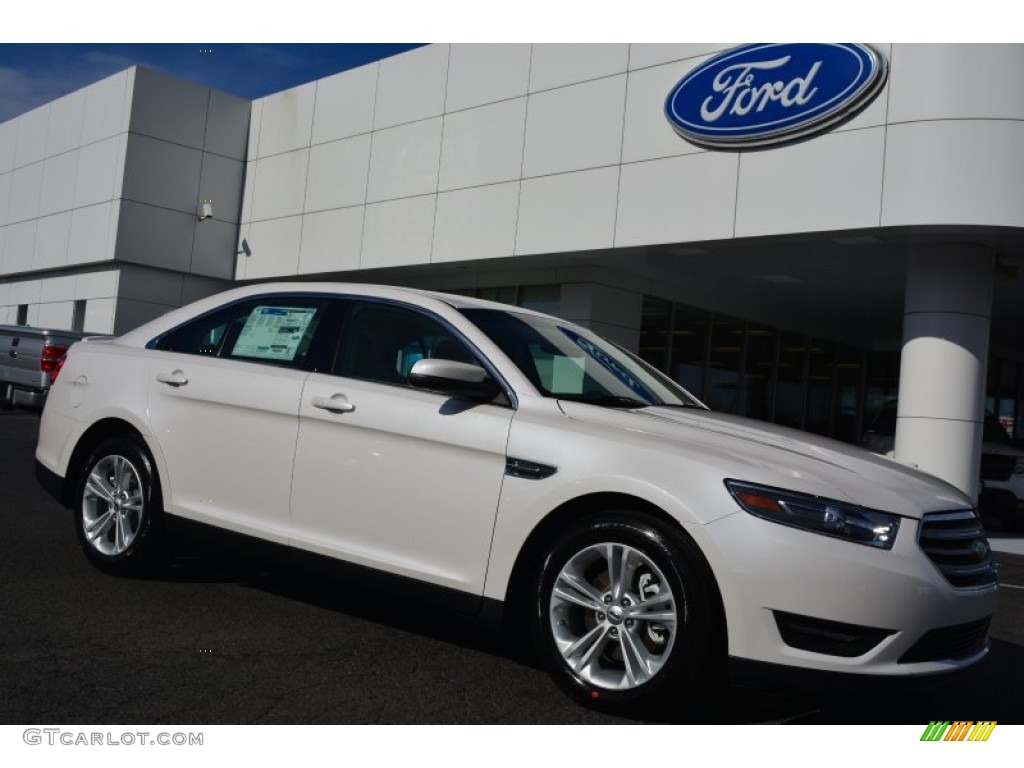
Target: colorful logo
point(960, 730)
point(768, 93)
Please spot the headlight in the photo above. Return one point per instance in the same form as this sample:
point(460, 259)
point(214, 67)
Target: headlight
point(813, 513)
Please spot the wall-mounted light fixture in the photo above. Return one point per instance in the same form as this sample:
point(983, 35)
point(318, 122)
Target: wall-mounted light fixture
point(205, 210)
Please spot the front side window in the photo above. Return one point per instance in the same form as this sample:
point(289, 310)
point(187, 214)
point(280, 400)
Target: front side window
point(382, 343)
point(276, 330)
point(565, 362)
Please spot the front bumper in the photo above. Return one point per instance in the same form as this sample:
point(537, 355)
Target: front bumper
point(765, 569)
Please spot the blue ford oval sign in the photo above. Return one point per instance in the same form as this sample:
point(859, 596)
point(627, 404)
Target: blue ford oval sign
point(769, 93)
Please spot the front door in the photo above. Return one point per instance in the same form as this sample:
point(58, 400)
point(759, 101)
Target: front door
point(389, 476)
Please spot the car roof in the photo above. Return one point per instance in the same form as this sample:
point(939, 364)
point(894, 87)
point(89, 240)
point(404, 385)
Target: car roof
point(141, 335)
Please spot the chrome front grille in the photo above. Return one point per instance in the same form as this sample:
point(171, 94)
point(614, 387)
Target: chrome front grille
point(956, 543)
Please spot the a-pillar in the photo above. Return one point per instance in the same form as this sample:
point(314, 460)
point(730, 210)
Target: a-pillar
point(946, 318)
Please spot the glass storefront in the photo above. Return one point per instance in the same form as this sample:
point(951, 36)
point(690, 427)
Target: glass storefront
point(796, 380)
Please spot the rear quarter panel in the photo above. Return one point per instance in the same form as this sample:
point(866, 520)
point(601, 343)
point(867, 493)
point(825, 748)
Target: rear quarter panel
point(100, 380)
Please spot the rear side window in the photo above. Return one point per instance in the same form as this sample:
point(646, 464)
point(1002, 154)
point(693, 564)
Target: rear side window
point(276, 330)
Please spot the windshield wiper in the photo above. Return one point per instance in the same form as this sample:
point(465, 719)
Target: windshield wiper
point(606, 401)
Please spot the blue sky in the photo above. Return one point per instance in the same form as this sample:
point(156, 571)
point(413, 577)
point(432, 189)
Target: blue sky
point(32, 74)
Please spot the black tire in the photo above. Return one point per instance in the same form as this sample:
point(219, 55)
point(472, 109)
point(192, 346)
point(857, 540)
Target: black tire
point(124, 535)
point(685, 655)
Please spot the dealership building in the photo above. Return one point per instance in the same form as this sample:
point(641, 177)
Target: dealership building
point(802, 270)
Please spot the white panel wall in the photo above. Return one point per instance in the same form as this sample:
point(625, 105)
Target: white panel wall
point(411, 87)
point(956, 81)
point(643, 55)
point(486, 73)
point(398, 232)
point(97, 171)
point(274, 246)
point(286, 122)
point(484, 145)
point(331, 241)
point(677, 199)
point(19, 245)
point(53, 234)
point(404, 160)
point(576, 127)
point(64, 130)
point(647, 134)
point(107, 107)
point(955, 172)
point(186, 146)
point(338, 173)
point(556, 65)
point(568, 212)
point(476, 223)
point(462, 152)
point(8, 144)
point(280, 185)
point(51, 300)
point(32, 130)
point(831, 183)
point(162, 173)
point(344, 104)
point(58, 184)
point(169, 109)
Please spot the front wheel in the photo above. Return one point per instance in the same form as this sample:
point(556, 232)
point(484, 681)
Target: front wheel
point(117, 504)
point(624, 615)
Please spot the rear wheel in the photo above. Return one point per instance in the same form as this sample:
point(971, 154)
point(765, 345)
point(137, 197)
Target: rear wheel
point(624, 613)
point(117, 508)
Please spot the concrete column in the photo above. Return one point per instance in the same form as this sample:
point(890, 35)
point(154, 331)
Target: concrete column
point(942, 370)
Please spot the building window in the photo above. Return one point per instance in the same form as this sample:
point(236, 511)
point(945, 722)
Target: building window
point(740, 366)
point(78, 316)
point(22, 314)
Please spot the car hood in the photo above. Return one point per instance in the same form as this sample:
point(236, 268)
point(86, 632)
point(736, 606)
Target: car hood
point(759, 452)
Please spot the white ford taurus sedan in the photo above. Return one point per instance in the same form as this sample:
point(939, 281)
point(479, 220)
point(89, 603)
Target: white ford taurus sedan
point(512, 464)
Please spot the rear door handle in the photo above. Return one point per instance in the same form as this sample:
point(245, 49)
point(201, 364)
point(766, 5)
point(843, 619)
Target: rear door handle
point(335, 404)
point(174, 378)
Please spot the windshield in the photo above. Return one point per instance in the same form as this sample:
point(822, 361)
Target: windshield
point(569, 363)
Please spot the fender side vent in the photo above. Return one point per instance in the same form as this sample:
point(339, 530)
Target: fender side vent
point(529, 470)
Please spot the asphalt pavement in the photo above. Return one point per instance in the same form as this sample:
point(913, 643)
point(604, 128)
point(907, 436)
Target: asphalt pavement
point(219, 639)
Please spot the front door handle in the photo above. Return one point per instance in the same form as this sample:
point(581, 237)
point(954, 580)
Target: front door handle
point(335, 404)
point(175, 378)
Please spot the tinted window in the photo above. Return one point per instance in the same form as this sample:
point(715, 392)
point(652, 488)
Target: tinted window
point(382, 342)
point(277, 330)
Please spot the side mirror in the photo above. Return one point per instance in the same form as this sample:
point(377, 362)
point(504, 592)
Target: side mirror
point(453, 378)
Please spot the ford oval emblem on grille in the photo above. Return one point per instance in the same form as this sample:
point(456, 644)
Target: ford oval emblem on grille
point(768, 93)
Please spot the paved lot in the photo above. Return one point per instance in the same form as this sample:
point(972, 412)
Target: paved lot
point(219, 640)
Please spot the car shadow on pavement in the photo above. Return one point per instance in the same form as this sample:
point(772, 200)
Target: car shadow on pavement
point(989, 691)
point(207, 564)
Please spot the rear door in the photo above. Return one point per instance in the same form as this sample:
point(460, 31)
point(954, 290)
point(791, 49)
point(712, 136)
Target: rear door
point(390, 476)
point(224, 398)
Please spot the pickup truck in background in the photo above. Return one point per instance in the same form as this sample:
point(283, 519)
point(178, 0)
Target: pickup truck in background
point(30, 359)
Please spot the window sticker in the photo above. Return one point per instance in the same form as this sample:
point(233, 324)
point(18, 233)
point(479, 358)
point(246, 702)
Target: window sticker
point(273, 333)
